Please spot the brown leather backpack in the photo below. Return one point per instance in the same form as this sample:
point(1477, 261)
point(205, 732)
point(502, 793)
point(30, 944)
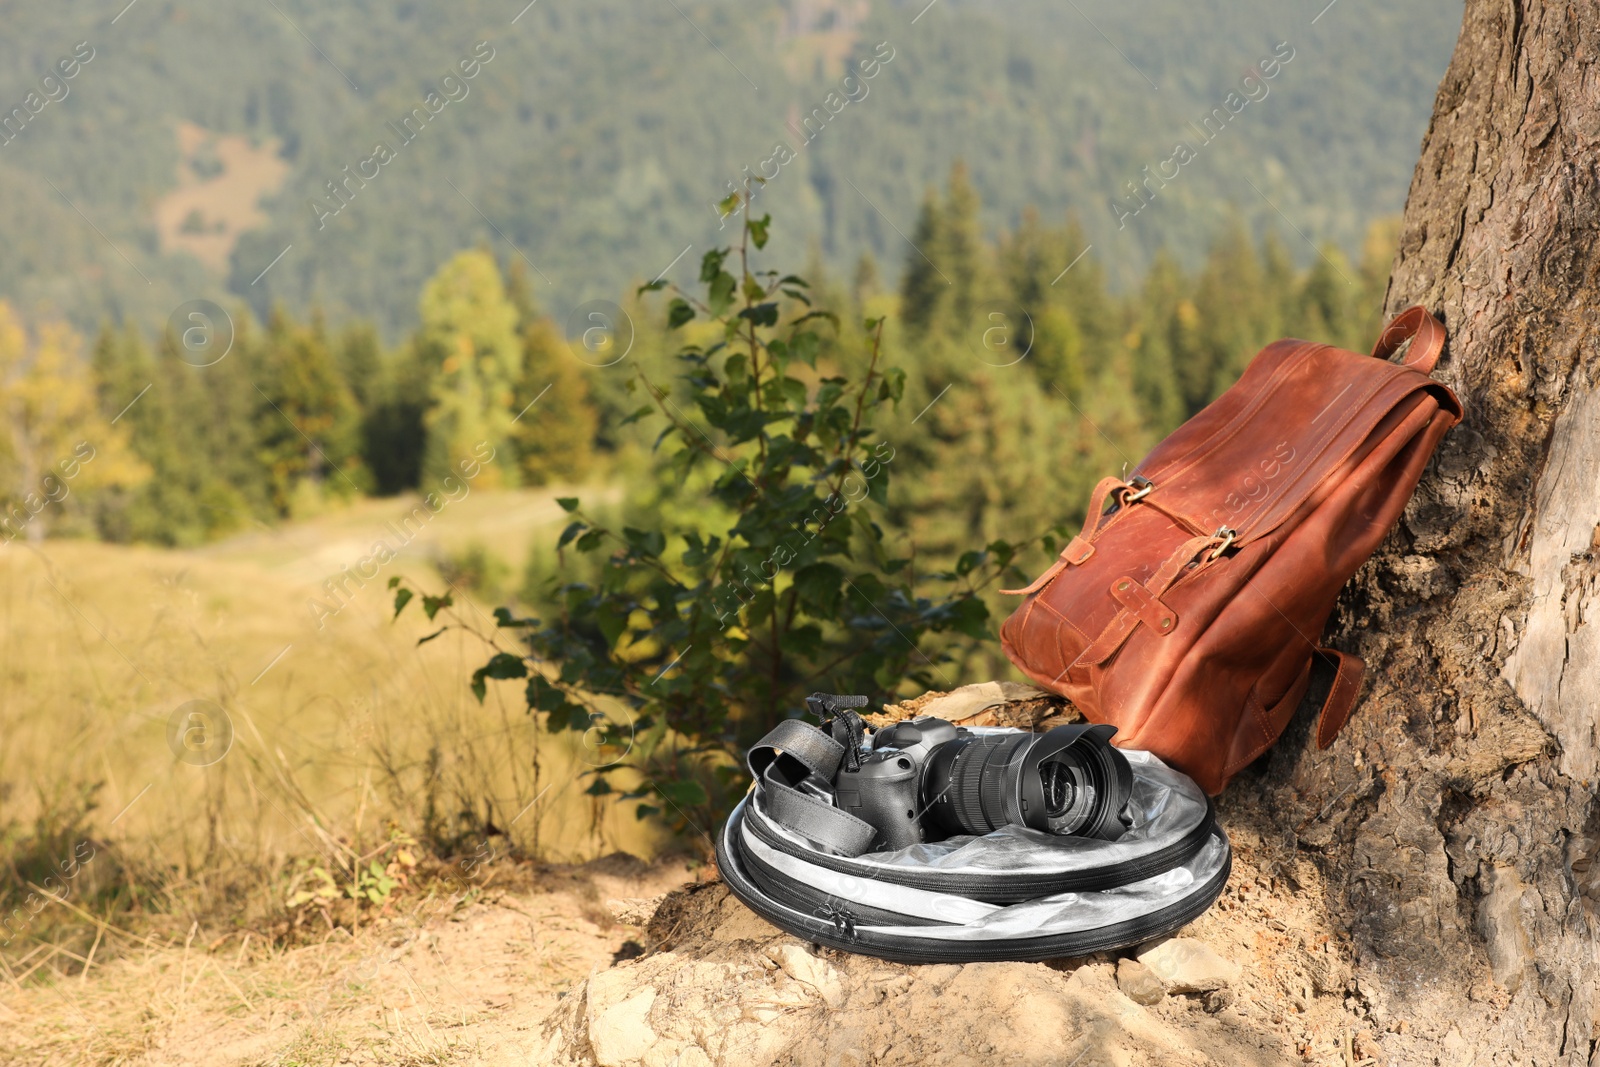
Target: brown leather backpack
point(1187, 615)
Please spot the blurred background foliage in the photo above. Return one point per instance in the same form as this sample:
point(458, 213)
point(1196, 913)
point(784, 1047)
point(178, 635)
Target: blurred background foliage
point(1024, 384)
point(600, 136)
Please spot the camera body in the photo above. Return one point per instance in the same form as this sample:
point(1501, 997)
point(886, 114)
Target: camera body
point(927, 779)
point(886, 790)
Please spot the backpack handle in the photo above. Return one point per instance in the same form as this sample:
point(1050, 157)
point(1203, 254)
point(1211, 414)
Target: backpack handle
point(1426, 335)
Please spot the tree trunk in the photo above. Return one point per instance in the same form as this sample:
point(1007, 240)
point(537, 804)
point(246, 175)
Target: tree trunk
point(1455, 819)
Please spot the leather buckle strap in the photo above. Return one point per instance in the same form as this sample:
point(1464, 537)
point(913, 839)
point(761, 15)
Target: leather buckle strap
point(1426, 335)
point(1145, 605)
point(1076, 554)
point(1120, 628)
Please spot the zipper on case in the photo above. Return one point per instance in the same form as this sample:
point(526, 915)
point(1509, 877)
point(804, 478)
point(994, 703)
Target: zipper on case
point(905, 949)
point(1009, 888)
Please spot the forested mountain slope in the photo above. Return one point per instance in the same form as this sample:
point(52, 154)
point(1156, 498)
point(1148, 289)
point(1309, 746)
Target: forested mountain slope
point(193, 144)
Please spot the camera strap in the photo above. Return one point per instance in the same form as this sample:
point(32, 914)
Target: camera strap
point(794, 766)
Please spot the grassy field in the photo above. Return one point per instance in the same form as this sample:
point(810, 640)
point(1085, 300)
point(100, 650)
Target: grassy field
point(343, 730)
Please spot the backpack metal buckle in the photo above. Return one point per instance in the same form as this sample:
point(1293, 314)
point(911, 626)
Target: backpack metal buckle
point(1226, 537)
point(1142, 487)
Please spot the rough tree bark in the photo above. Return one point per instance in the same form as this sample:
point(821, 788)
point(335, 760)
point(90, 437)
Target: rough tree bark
point(1457, 814)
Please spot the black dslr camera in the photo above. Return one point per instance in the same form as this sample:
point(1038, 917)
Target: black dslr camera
point(927, 779)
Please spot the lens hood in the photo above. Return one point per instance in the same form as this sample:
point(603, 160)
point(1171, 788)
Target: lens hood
point(1089, 758)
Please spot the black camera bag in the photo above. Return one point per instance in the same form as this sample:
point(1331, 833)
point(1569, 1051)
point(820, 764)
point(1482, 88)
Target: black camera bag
point(800, 862)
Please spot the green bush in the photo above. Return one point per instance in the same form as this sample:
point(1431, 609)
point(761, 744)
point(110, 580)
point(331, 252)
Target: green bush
point(763, 576)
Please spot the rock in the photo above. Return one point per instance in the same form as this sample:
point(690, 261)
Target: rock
point(1185, 965)
point(686, 1056)
point(806, 969)
point(1139, 984)
point(619, 1028)
point(746, 1002)
point(634, 911)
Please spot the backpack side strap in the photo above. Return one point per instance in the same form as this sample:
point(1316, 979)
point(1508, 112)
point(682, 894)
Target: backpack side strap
point(1416, 325)
point(1341, 697)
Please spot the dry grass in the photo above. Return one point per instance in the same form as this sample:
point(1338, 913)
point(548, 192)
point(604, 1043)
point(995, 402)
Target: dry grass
point(442, 980)
point(341, 734)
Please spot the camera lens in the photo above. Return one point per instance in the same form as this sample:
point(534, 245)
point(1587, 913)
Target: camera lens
point(1067, 781)
point(1068, 794)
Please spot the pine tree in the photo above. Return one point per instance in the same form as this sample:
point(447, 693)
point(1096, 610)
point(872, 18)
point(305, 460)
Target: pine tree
point(308, 420)
point(922, 287)
point(1158, 344)
point(554, 429)
point(1082, 290)
point(1377, 253)
point(469, 348)
point(359, 357)
point(393, 435)
point(1327, 300)
point(962, 253)
point(1231, 328)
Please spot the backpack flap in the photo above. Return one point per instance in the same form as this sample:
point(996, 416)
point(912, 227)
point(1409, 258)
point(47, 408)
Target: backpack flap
point(1186, 613)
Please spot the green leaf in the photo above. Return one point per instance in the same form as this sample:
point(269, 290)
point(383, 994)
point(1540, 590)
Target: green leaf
point(711, 262)
point(827, 315)
point(685, 793)
point(894, 384)
point(819, 587)
point(804, 346)
point(644, 811)
point(637, 414)
point(569, 504)
point(430, 637)
point(435, 604)
point(542, 696)
point(721, 293)
point(758, 230)
point(572, 530)
point(678, 313)
point(501, 665)
point(402, 597)
point(505, 620)
point(598, 788)
point(650, 287)
point(761, 314)
point(612, 619)
point(650, 543)
point(970, 616)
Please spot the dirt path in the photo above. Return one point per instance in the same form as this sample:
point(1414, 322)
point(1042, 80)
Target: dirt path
point(446, 984)
point(579, 966)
